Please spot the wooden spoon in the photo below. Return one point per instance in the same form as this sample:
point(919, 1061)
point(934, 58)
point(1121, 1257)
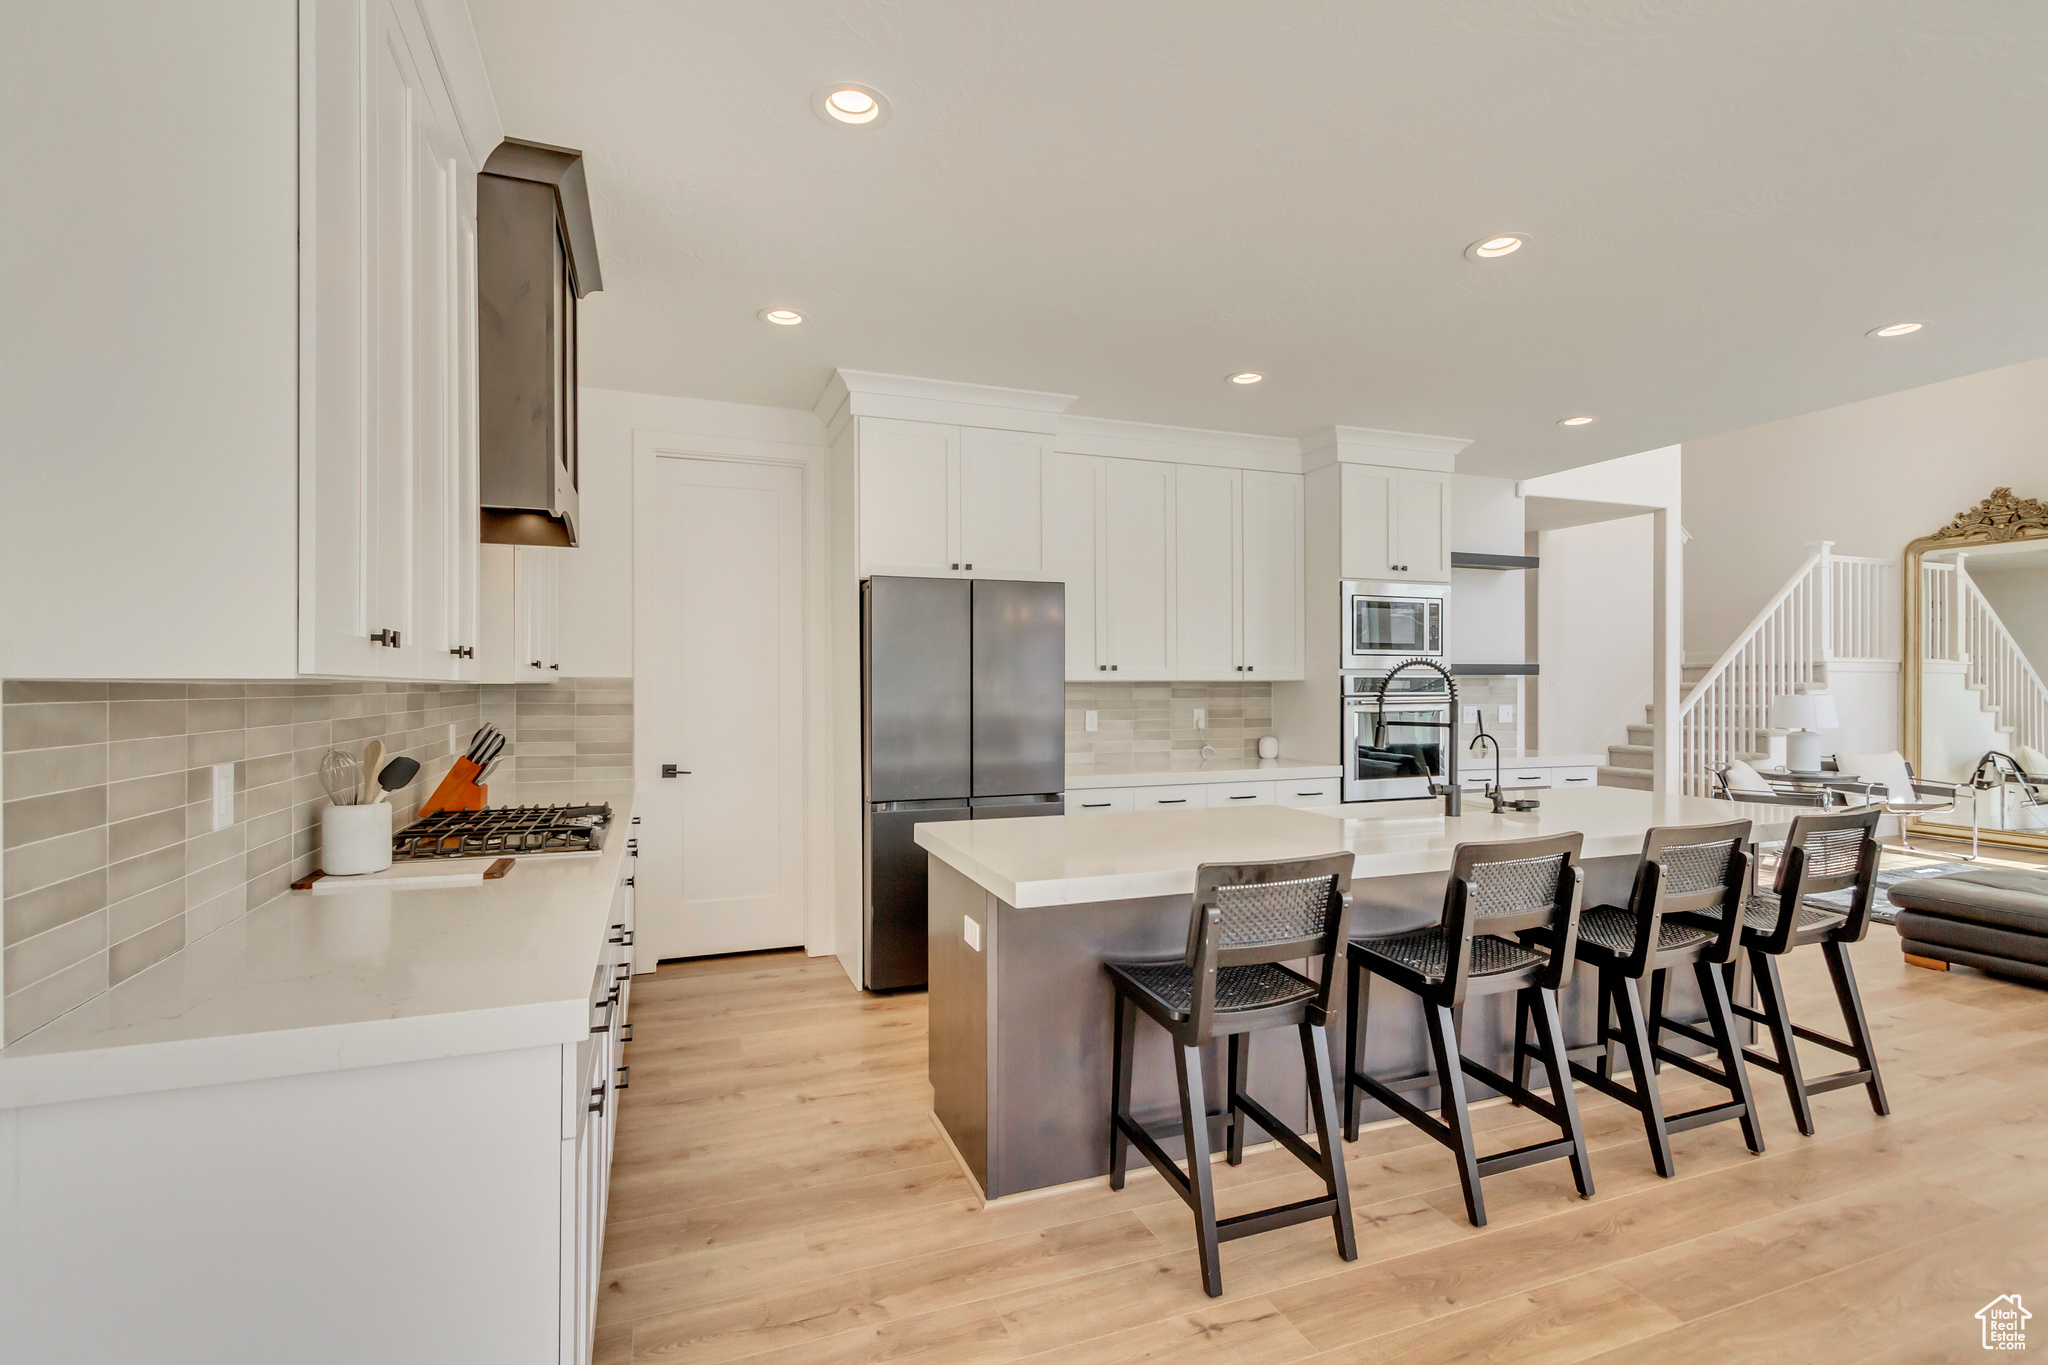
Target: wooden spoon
point(373, 763)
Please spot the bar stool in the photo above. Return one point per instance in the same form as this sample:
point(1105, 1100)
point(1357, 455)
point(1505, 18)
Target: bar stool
point(1525, 888)
point(1249, 918)
point(1701, 867)
point(1826, 851)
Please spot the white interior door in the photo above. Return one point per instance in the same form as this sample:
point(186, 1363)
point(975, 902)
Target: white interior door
point(722, 863)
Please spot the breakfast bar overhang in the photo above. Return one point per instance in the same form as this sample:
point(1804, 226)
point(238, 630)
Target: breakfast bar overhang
point(1023, 913)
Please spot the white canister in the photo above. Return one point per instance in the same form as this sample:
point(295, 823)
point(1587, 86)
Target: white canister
point(355, 839)
point(1269, 747)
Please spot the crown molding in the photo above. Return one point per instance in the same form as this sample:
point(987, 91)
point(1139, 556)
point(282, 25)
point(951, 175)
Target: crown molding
point(1367, 445)
point(864, 393)
point(1178, 445)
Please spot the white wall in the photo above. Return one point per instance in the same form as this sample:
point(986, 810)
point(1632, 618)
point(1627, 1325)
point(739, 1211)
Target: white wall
point(596, 625)
point(1486, 606)
point(1869, 476)
point(1594, 625)
point(150, 351)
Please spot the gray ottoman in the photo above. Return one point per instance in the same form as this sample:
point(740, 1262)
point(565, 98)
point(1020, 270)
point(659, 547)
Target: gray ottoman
point(1992, 918)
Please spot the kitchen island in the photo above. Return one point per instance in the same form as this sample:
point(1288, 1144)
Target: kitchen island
point(1024, 912)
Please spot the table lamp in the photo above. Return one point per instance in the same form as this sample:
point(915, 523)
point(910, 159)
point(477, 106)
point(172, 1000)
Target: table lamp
point(1802, 715)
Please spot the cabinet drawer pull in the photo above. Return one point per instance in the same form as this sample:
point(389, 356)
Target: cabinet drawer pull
point(605, 1005)
point(536, 663)
point(556, 667)
point(626, 1033)
point(1097, 805)
point(1112, 668)
point(1170, 801)
point(1314, 793)
point(1578, 779)
point(625, 1077)
point(625, 969)
point(597, 1099)
point(1251, 797)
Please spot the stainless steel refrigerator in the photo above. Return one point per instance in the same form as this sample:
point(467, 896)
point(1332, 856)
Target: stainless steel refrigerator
point(963, 717)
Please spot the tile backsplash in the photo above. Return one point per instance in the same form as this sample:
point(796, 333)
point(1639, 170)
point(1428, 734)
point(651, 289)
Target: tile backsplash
point(111, 860)
point(1158, 719)
point(566, 740)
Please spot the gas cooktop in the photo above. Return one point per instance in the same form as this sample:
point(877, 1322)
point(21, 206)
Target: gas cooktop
point(503, 831)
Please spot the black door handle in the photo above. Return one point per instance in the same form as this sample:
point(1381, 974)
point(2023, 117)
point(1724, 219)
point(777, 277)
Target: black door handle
point(671, 770)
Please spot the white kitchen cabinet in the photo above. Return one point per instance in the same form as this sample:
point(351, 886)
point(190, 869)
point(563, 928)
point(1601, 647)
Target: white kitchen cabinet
point(538, 607)
point(939, 500)
point(1190, 796)
point(1272, 591)
point(1206, 574)
point(1072, 516)
point(1001, 497)
point(1101, 801)
point(1396, 524)
point(387, 448)
point(519, 632)
point(1137, 572)
point(909, 475)
point(1308, 791)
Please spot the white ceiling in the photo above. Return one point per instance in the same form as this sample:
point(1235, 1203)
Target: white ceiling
point(1130, 199)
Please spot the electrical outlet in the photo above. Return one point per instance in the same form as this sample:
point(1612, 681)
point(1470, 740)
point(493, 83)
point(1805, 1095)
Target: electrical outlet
point(1088, 721)
point(455, 744)
point(1507, 715)
point(223, 795)
point(970, 931)
point(1471, 715)
point(1201, 718)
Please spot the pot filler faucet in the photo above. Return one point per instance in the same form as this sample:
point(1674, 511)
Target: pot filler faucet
point(1448, 788)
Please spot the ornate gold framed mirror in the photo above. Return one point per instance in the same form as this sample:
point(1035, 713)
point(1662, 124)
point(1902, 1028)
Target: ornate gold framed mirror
point(1975, 707)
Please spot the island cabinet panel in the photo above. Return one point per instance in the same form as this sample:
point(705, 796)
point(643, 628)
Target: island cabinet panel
point(961, 935)
point(1023, 1022)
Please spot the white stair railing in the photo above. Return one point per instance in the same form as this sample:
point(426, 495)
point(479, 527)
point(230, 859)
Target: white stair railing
point(1941, 638)
point(1994, 663)
point(1833, 608)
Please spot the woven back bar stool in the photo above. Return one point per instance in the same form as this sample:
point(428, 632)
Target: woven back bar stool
point(1510, 921)
point(1826, 851)
point(1249, 919)
point(1696, 868)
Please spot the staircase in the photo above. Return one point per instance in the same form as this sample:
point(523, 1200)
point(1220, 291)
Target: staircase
point(1960, 627)
point(1834, 607)
point(1628, 765)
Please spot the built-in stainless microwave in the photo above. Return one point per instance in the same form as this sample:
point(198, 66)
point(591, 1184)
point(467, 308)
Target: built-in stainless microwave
point(1387, 622)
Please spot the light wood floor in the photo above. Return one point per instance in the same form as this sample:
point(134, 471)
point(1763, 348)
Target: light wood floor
point(780, 1194)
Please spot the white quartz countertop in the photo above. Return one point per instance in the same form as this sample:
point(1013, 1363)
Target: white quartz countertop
point(1060, 860)
point(362, 977)
point(1165, 771)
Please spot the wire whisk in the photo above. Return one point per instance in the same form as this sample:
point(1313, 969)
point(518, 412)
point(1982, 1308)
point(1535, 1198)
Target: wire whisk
point(342, 775)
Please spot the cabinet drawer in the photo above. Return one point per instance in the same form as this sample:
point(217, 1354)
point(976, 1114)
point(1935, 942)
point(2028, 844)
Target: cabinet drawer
point(1307, 791)
point(1575, 777)
point(1101, 801)
point(1191, 797)
point(1524, 776)
point(1226, 794)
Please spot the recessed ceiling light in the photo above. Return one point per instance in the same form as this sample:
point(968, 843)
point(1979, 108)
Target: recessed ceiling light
point(781, 317)
point(1246, 377)
point(847, 105)
point(1576, 421)
point(1492, 248)
point(1897, 329)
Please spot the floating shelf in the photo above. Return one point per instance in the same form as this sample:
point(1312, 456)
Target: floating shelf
point(1494, 670)
point(1461, 560)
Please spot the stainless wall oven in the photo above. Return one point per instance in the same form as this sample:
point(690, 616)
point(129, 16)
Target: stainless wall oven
point(1385, 623)
point(1401, 759)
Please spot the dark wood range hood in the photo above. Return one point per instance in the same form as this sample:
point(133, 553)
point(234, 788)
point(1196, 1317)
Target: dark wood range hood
point(536, 256)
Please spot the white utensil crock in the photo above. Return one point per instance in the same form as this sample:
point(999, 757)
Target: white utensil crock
point(355, 839)
point(1269, 747)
